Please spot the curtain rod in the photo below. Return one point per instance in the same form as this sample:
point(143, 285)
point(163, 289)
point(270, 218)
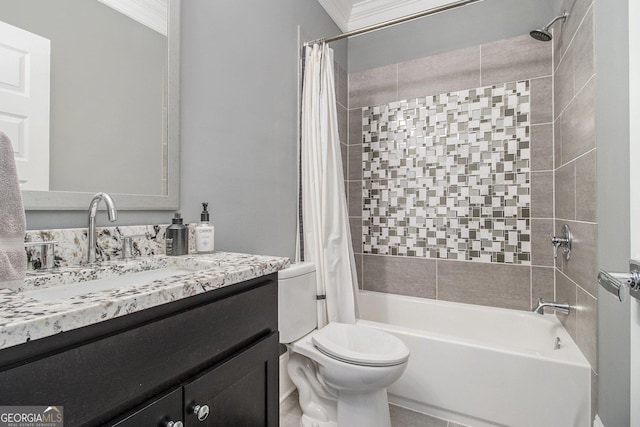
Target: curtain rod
point(407, 18)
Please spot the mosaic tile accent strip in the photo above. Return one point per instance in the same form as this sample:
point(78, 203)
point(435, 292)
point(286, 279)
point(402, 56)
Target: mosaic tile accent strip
point(448, 176)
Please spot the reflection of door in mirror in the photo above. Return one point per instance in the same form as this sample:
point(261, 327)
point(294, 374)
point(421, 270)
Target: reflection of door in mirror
point(24, 104)
point(108, 93)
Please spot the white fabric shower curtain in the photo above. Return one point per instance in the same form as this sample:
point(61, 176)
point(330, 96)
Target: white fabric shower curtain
point(325, 219)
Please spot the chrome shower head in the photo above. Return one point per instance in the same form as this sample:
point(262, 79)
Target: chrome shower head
point(543, 34)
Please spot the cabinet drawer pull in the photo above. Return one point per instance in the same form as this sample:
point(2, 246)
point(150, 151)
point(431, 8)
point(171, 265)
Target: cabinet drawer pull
point(201, 411)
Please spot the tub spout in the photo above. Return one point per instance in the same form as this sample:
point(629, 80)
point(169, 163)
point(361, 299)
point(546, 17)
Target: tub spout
point(562, 307)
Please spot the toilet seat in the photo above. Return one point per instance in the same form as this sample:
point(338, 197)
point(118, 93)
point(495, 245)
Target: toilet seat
point(360, 346)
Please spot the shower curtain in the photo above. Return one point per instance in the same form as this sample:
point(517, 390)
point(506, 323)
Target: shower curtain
point(325, 237)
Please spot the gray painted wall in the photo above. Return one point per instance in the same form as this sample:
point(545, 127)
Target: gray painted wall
point(107, 77)
point(482, 22)
point(43, 220)
point(239, 117)
point(612, 109)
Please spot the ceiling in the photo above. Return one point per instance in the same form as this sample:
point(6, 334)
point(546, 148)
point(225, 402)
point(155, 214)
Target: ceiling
point(351, 15)
point(152, 13)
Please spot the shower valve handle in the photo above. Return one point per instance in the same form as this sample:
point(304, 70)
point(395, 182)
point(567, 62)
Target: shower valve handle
point(565, 241)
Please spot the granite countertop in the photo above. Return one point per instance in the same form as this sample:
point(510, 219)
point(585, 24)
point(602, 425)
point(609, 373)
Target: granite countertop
point(23, 318)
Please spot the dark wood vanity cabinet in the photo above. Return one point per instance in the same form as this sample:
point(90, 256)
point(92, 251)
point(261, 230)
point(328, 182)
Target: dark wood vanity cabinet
point(237, 392)
point(217, 350)
point(160, 412)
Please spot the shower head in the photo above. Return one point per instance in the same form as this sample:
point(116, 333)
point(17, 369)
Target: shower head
point(543, 34)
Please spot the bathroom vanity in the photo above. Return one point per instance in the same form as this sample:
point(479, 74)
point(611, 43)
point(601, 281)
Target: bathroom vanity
point(200, 348)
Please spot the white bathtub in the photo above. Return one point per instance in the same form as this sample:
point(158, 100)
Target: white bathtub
point(483, 366)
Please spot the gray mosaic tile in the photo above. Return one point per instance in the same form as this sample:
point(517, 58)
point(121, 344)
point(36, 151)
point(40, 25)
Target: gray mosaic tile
point(448, 176)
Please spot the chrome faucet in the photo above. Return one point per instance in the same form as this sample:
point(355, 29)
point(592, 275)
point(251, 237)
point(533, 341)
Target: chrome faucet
point(112, 212)
point(562, 307)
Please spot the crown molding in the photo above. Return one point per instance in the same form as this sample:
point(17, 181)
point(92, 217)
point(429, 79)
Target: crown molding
point(351, 15)
point(371, 12)
point(152, 13)
point(339, 11)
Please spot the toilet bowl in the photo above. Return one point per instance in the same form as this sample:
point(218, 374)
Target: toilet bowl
point(341, 370)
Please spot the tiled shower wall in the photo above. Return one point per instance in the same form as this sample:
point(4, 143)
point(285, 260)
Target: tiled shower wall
point(342, 100)
point(458, 203)
point(575, 175)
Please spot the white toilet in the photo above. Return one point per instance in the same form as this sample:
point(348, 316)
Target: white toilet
point(342, 371)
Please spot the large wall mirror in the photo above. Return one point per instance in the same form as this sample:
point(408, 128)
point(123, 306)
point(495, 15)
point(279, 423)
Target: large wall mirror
point(89, 95)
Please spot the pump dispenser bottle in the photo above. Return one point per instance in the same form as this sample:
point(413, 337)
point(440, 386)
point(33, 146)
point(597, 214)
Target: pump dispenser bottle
point(177, 241)
point(204, 233)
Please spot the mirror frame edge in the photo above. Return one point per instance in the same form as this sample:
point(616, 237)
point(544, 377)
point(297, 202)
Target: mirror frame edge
point(72, 200)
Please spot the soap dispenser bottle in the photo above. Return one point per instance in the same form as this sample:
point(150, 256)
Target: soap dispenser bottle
point(204, 232)
point(177, 237)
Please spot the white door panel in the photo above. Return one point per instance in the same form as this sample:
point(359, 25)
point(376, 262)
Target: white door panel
point(24, 102)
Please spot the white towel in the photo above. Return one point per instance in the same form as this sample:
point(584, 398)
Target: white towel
point(13, 258)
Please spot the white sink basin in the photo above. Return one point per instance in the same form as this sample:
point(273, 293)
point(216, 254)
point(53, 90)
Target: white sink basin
point(114, 282)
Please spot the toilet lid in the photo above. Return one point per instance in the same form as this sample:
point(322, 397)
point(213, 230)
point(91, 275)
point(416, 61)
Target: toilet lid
point(360, 345)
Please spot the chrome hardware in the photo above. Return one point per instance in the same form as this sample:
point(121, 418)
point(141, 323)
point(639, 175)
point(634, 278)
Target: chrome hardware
point(622, 284)
point(562, 307)
point(201, 411)
point(47, 253)
point(558, 344)
point(112, 213)
point(173, 424)
point(564, 241)
point(127, 246)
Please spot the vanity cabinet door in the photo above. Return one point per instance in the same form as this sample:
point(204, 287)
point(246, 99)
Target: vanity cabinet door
point(241, 391)
point(158, 413)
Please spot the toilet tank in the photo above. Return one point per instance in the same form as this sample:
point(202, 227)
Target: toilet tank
point(296, 301)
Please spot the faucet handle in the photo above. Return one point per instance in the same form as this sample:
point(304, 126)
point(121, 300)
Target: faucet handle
point(555, 242)
point(47, 252)
point(127, 246)
point(565, 241)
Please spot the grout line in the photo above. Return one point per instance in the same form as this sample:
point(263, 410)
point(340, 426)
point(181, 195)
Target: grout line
point(574, 34)
point(480, 62)
point(531, 286)
point(577, 158)
point(553, 162)
point(437, 281)
point(577, 221)
point(577, 286)
point(522, 265)
point(575, 189)
point(575, 95)
point(546, 76)
point(397, 81)
point(553, 159)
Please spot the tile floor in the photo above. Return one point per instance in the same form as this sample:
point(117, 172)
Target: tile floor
point(290, 414)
